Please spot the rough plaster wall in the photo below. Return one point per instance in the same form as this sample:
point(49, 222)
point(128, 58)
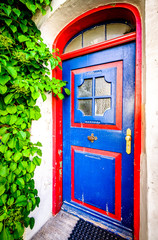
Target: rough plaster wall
point(50, 25)
point(42, 131)
point(152, 115)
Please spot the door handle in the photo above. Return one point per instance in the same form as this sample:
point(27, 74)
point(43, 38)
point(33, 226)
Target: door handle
point(92, 138)
point(128, 141)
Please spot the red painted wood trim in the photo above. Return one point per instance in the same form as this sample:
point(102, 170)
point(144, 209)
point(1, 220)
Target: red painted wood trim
point(100, 46)
point(118, 158)
point(130, 13)
point(57, 149)
point(118, 125)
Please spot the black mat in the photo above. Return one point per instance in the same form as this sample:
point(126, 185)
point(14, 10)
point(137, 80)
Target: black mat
point(88, 231)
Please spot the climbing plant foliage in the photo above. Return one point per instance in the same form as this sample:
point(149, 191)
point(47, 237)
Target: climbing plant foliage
point(24, 77)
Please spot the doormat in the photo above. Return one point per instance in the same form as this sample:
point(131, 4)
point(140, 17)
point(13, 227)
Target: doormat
point(88, 231)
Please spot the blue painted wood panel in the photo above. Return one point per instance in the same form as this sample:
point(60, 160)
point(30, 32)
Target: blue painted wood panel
point(109, 116)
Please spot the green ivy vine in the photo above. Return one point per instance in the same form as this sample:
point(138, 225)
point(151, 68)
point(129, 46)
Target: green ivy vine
point(24, 77)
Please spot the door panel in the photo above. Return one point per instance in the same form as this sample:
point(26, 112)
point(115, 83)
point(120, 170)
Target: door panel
point(98, 175)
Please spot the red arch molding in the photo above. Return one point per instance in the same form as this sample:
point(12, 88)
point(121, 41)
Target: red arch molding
point(87, 19)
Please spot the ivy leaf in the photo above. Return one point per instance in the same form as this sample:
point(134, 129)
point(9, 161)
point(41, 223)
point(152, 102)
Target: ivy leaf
point(3, 199)
point(10, 201)
point(3, 171)
point(13, 166)
point(3, 148)
point(38, 144)
point(11, 70)
point(24, 28)
point(8, 21)
point(2, 189)
point(23, 126)
point(7, 10)
point(37, 161)
point(39, 152)
point(32, 7)
point(31, 167)
point(13, 188)
point(5, 137)
point(3, 112)
point(23, 38)
point(21, 201)
point(4, 79)
point(8, 155)
point(17, 156)
point(13, 119)
point(12, 143)
point(11, 109)
point(32, 222)
point(2, 217)
point(17, 11)
point(20, 182)
point(35, 95)
point(22, 135)
point(3, 89)
point(26, 153)
point(44, 97)
point(67, 91)
point(61, 96)
point(8, 98)
point(13, 28)
point(37, 201)
point(29, 206)
point(3, 130)
point(1, 226)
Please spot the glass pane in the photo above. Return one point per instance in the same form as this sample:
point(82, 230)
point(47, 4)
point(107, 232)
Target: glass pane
point(94, 35)
point(75, 44)
point(85, 90)
point(101, 105)
point(85, 106)
point(116, 29)
point(102, 87)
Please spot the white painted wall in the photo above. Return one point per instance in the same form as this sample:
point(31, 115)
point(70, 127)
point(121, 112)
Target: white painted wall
point(50, 25)
point(152, 115)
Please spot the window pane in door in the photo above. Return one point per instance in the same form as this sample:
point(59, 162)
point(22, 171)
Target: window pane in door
point(102, 87)
point(116, 29)
point(85, 106)
point(101, 105)
point(85, 90)
point(94, 35)
point(75, 44)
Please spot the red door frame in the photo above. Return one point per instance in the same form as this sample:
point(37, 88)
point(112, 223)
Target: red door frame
point(87, 19)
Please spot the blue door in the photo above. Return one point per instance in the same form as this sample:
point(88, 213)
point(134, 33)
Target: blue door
point(98, 136)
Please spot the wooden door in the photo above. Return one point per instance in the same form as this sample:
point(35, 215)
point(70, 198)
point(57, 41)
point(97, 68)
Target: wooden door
point(98, 169)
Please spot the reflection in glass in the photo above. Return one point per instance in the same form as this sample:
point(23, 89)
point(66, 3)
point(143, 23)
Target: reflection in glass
point(102, 87)
point(94, 35)
point(116, 30)
point(75, 44)
point(85, 90)
point(85, 106)
point(101, 105)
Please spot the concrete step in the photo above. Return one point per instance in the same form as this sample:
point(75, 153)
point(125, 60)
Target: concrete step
point(57, 228)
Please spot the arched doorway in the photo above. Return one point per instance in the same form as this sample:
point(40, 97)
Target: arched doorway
point(116, 210)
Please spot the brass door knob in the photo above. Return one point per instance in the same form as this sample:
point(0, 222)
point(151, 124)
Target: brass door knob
point(92, 138)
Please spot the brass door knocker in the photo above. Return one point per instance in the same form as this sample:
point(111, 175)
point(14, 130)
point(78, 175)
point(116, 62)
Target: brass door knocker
point(92, 138)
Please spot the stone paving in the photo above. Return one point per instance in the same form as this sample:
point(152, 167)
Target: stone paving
point(57, 228)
